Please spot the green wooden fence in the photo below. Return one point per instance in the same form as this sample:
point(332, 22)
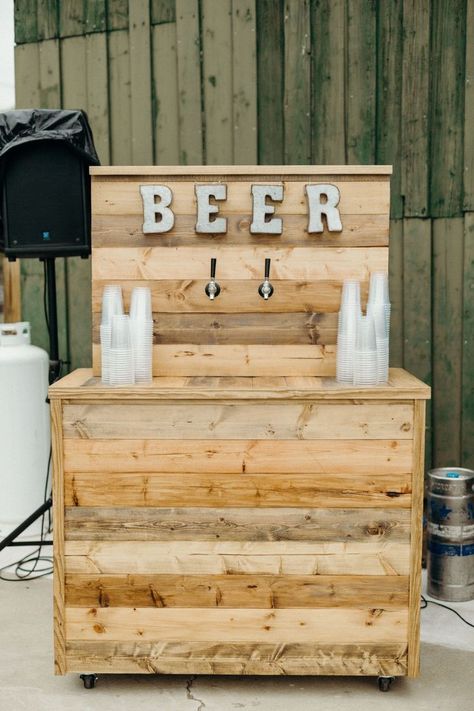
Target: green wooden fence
point(295, 81)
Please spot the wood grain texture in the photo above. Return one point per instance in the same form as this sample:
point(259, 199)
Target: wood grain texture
point(239, 421)
point(84, 523)
point(297, 82)
point(189, 82)
point(371, 557)
point(140, 81)
point(249, 490)
point(238, 658)
point(233, 591)
point(335, 626)
point(244, 81)
point(58, 537)
point(238, 456)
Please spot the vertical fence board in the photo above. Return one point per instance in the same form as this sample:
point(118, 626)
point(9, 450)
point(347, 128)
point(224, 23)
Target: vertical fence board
point(140, 78)
point(244, 81)
point(27, 79)
point(270, 81)
point(95, 15)
point(26, 21)
point(447, 338)
point(360, 81)
point(120, 98)
point(163, 11)
point(50, 74)
point(72, 19)
point(415, 96)
point(217, 80)
point(447, 108)
point(328, 30)
point(165, 92)
point(117, 14)
point(97, 94)
point(189, 82)
point(47, 18)
point(396, 292)
point(468, 202)
point(467, 432)
point(389, 95)
point(297, 81)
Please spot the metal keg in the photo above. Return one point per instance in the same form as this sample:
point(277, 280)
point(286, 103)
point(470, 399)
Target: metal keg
point(451, 534)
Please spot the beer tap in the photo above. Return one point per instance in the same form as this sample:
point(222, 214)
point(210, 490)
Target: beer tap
point(212, 288)
point(266, 289)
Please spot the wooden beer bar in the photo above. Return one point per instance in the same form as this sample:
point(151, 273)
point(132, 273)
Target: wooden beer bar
point(244, 513)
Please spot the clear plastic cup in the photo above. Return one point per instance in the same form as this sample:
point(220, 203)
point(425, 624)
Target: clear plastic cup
point(105, 334)
point(142, 346)
point(378, 288)
point(120, 335)
point(112, 303)
point(350, 292)
point(365, 337)
point(140, 303)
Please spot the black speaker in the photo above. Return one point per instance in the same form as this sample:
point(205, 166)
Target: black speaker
point(45, 201)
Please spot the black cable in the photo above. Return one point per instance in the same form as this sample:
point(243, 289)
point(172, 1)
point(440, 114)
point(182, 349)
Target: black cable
point(426, 602)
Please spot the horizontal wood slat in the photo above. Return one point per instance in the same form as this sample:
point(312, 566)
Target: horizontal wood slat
point(371, 557)
point(247, 490)
point(254, 591)
point(235, 457)
point(239, 421)
point(240, 524)
point(328, 625)
point(137, 657)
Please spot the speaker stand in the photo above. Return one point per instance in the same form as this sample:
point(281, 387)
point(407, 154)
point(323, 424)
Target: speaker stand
point(54, 372)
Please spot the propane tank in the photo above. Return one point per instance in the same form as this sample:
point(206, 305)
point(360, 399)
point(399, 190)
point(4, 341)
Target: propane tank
point(24, 425)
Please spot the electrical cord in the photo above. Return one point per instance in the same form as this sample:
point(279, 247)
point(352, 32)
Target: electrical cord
point(425, 603)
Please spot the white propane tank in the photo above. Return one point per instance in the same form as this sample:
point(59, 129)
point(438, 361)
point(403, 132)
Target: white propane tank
point(24, 426)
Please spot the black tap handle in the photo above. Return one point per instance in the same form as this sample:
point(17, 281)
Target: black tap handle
point(267, 268)
point(213, 267)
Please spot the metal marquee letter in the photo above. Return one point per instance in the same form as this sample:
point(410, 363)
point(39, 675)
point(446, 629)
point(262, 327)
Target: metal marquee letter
point(261, 209)
point(205, 209)
point(328, 208)
point(151, 208)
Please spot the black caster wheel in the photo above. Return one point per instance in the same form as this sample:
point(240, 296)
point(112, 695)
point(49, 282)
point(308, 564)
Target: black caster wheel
point(89, 680)
point(385, 682)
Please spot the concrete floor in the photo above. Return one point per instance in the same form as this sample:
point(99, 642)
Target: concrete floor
point(27, 682)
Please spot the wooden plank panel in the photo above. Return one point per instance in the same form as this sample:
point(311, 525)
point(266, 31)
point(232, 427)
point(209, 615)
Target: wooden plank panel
point(246, 329)
point(279, 626)
point(447, 108)
point(163, 11)
point(11, 291)
point(189, 82)
point(468, 203)
point(216, 29)
point(237, 658)
point(246, 490)
point(119, 196)
point(414, 165)
point(84, 523)
point(244, 81)
point(58, 534)
point(447, 338)
point(239, 421)
point(253, 591)
point(50, 80)
point(95, 15)
point(47, 18)
point(26, 21)
point(122, 230)
point(396, 292)
point(72, 20)
point(360, 81)
point(238, 456)
point(270, 63)
point(117, 14)
point(297, 83)
point(120, 100)
point(467, 432)
point(298, 263)
point(389, 95)
point(97, 92)
point(237, 558)
point(165, 92)
point(140, 81)
point(328, 34)
point(27, 75)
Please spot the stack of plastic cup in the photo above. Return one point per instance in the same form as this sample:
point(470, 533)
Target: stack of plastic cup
point(141, 324)
point(121, 355)
point(349, 315)
point(379, 308)
point(112, 305)
point(365, 353)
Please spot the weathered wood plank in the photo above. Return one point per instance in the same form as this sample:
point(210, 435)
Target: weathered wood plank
point(95, 15)
point(360, 106)
point(151, 489)
point(72, 19)
point(58, 533)
point(11, 291)
point(26, 21)
point(50, 74)
point(447, 337)
point(447, 108)
point(253, 591)
point(244, 81)
point(97, 92)
point(467, 432)
point(117, 14)
point(140, 81)
point(468, 203)
point(189, 82)
point(239, 421)
point(239, 456)
point(163, 11)
point(47, 14)
point(216, 24)
point(270, 63)
point(27, 75)
point(414, 165)
point(297, 83)
point(84, 523)
point(327, 96)
point(237, 658)
point(120, 99)
point(396, 292)
point(279, 626)
point(166, 100)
